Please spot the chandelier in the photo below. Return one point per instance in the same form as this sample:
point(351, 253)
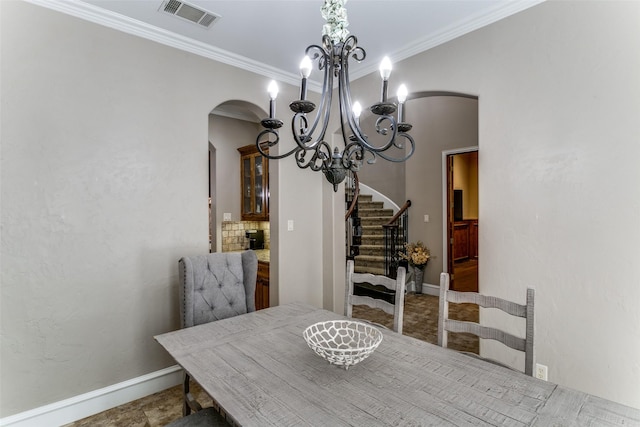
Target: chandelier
point(314, 152)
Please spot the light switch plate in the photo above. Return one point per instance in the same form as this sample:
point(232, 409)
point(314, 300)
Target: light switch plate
point(290, 225)
point(226, 216)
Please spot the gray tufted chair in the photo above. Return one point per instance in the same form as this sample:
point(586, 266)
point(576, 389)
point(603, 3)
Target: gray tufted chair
point(214, 287)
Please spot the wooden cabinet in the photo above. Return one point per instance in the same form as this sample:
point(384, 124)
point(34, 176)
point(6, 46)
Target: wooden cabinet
point(465, 239)
point(473, 239)
point(254, 182)
point(460, 241)
point(262, 286)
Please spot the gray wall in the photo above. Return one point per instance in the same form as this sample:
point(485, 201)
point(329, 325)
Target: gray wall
point(104, 187)
point(559, 101)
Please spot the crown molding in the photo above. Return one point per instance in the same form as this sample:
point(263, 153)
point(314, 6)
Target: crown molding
point(128, 25)
point(452, 32)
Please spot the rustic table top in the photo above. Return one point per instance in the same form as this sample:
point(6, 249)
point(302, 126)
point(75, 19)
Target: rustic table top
point(259, 369)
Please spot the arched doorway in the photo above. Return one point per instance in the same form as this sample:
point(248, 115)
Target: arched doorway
point(233, 128)
point(231, 125)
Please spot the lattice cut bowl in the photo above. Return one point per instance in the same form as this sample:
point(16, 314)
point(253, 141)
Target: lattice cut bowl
point(342, 342)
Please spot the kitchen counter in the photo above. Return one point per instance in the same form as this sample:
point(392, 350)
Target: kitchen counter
point(262, 254)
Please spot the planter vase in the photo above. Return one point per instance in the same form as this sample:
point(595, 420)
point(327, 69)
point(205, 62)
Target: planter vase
point(418, 276)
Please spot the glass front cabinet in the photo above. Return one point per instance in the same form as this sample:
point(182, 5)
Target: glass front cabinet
point(254, 181)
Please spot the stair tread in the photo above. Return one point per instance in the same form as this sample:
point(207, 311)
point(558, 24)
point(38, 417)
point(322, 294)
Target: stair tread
point(370, 258)
point(378, 271)
point(373, 215)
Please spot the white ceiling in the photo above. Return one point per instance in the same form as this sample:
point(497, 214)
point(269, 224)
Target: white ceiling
point(269, 37)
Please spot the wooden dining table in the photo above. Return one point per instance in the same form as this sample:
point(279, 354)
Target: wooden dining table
point(258, 368)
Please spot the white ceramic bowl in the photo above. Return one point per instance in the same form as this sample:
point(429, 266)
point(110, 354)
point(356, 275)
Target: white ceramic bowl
point(342, 342)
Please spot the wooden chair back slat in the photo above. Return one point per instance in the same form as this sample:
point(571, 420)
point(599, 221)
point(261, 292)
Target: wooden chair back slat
point(397, 285)
point(526, 311)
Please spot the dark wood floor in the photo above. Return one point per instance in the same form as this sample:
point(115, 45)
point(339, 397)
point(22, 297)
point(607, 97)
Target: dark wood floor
point(465, 275)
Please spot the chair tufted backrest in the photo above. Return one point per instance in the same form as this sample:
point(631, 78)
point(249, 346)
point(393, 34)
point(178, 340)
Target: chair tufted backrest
point(216, 286)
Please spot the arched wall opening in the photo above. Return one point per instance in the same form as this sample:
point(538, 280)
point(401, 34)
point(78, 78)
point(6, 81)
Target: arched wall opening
point(232, 125)
point(441, 121)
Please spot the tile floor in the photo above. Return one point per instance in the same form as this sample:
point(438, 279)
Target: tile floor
point(155, 410)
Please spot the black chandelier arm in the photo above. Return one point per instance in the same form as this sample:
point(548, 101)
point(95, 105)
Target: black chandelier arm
point(346, 103)
point(327, 43)
point(399, 145)
point(319, 159)
point(353, 156)
point(302, 132)
point(318, 53)
point(361, 138)
point(325, 102)
point(347, 119)
point(261, 143)
point(324, 58)
point(392, 128)
point(350, 48)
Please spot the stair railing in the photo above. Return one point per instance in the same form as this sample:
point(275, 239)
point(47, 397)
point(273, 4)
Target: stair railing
point(352, 191)
point(396, 233)
point(354, 225)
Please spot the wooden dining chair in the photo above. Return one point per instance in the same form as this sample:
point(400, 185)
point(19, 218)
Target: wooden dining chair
point(213, 287)
point(445, 324)
point(396, 285)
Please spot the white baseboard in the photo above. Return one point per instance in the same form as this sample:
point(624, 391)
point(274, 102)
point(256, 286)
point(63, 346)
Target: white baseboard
point(427, 288)
point(84, 405)
point(431, 289)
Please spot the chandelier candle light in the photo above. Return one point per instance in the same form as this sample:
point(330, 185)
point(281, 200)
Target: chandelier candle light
point(333, 59)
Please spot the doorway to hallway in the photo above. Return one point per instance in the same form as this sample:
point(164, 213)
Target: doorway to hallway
point(462, 218)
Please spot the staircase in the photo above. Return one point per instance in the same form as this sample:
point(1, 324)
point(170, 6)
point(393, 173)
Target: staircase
point(373, 215)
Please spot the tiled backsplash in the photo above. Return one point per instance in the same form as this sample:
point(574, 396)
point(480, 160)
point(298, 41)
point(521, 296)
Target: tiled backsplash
point(234, 238)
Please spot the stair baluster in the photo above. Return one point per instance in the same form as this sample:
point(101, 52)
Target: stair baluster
point(354, 225)
point(396, 232)
point(367, 243)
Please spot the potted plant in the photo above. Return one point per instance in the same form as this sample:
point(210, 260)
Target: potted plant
point(417, 255)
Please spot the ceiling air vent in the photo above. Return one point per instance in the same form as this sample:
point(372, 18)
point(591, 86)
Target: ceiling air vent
point(189, 12)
